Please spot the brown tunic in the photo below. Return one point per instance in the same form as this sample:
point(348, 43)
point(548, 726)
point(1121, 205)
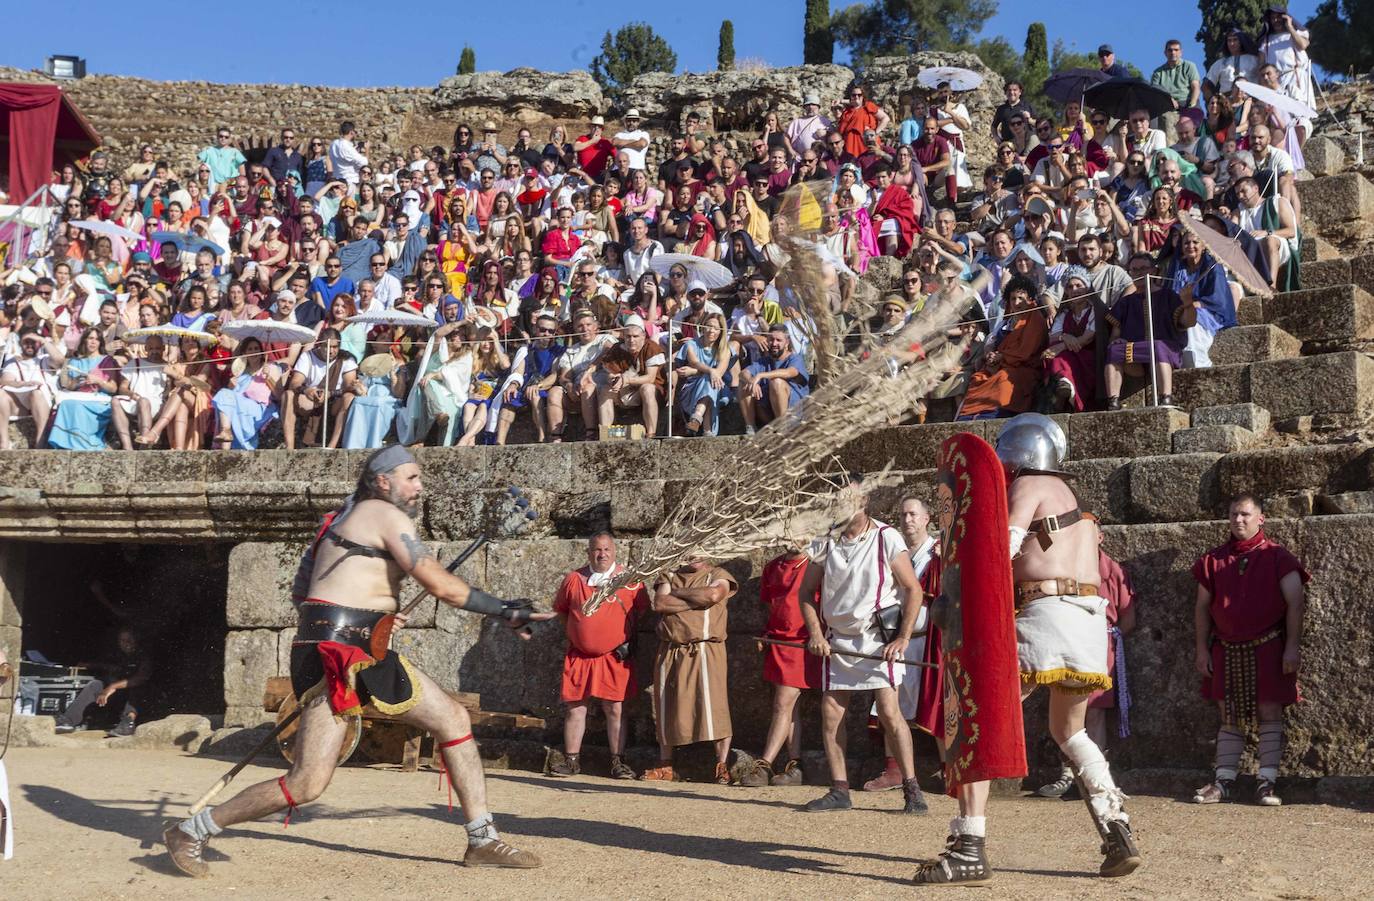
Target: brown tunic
point(689, 691)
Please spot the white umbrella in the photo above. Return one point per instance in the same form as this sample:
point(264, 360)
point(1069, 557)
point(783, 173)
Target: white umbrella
point(959, 79)
point(267, 330)
point(101, 227)
point(1277, 99)
point(394, 317)
point(710, 273)
point(169, 333)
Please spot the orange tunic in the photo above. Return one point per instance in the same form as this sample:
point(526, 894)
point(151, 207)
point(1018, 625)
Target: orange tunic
point(1012, 386)
point(854, 121)
point(590, 670)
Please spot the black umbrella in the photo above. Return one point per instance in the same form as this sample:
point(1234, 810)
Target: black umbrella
point(1119, 97)
point(1063, 87)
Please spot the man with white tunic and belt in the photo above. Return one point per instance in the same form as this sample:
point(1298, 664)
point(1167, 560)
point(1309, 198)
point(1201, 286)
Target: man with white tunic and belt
point(869, 600)
point(922, 548)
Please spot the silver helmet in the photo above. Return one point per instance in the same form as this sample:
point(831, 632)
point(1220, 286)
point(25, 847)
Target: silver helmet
point(1031, 441)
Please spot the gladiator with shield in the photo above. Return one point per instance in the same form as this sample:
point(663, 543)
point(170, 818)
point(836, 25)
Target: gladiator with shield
point(347, 586)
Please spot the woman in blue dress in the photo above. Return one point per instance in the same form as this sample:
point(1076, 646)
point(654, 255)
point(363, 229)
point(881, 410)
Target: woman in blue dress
point(245, 407)
point(704, 361)
point(193, 313)
point(379, 388)
point(489, 367)
point(88, 382)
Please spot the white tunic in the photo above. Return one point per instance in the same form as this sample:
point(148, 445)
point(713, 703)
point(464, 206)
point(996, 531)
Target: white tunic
point(909, 691)
point(857, 583)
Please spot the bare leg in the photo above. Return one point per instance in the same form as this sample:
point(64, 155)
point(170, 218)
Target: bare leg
point(555, 413)
point(503, 421)
point(722, 749)
point(1067, 715)
point(1166, 378)
point(648, 397)
point(615, 725)
point(605, 405)
point(318, 742)
point(895, 730)
point(474, 417)
point(783, 724)
point(574, 727)
point(1111, 374)
point(291, 400)
point(118, 416)
point(180, 426)
point(340, 416)
point(833, 707)
point(779, 393)
point(589, 420)
point(973, 799)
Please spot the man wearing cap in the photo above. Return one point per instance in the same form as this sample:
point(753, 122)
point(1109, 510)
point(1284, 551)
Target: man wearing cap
point(632, 140)
point(629, 375)
point(346, 584)
point(809, 127)
point(593, 150)
point(491, 153)
point(1106, 60)
point(30, 378)
point(698, 308)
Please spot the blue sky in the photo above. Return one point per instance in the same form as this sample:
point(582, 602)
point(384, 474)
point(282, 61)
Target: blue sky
point(358, 44)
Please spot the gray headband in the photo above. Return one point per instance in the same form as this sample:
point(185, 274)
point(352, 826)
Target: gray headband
point(388, 458)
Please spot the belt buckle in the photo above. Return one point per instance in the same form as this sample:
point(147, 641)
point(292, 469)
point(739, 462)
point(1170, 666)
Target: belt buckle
point(1051, 523)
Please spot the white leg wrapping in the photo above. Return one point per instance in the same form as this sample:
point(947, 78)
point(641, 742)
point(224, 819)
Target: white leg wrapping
point(974, 826)
point(1087, 761)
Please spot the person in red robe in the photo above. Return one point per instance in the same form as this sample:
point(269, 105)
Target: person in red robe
point(1249, 627)
point(790, 670)
point(1012, 369)
point(894, 215)
point(859, 116)
point(1071, 358)
point(597, 663)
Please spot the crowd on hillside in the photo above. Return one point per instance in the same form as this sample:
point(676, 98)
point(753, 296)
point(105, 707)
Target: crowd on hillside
point(568, 282)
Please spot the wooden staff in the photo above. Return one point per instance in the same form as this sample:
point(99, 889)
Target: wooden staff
point(878, 657)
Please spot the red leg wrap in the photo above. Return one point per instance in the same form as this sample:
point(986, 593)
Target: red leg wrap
point(443, 770)
point(290, 801)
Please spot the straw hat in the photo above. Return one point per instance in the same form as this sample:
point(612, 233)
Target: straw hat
point(377, 364)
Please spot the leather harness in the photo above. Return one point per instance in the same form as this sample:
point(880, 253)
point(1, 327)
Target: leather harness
point(1044, 529)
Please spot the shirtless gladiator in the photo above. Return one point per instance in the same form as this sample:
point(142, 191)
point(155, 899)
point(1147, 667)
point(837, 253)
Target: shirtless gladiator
point(348, 580)
point(1061, 639)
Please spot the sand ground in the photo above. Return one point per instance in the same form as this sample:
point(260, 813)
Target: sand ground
point(87, 823)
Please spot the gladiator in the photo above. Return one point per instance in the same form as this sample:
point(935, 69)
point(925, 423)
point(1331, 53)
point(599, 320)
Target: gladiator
point(1061, 644)
point(348, 581)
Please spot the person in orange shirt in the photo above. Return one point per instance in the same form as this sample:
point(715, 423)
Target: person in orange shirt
point(597, 664)
point(859, 116)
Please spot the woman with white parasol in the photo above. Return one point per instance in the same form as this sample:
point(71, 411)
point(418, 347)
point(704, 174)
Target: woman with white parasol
point(186, 410)
point(952, 115)
point(248, 403)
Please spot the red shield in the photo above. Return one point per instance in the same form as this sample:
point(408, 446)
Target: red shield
point(976, 618)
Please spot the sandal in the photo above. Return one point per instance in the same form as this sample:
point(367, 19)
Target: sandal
point(693, 429)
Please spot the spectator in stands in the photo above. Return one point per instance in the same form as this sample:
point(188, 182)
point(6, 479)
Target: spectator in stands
point(283, 157)
point(142, 389)
point(345, 157)
point(1130, 352)
point(629, 375)
point(1106, 58)
point(775, 383)
point(1009, 109)
point(704, 365)
point(29, 380)
point(576, 368)
point(859, 116)
point(1195, 276)
point(305, 393)
point(1272, 222)
point(1179, 78)
point(89, 379)
point(226, 161)
point(1070, 358)
point(1011, 368)
point(245, 406)
point(809, 127)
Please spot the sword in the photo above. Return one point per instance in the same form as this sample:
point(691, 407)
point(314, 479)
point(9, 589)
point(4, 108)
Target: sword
point(902, 660)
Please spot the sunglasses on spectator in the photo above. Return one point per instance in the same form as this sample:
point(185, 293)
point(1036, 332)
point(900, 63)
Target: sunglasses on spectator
point(1139, 161)
point(1015, 123)
point(677, 275)
point(545, 331)
point(736, 222)
point(1134, 119)
point(410, 288)
point(756, 291)
point(333, 268)
point(376, 263)
point(1097, 121)
point(909, 281)
point(1044, 127)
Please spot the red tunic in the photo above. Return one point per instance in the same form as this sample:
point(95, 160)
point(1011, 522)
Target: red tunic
point(1116, 588)
point(590, 670)
point(1243, 578)
point(778, 589)
point(930, 708)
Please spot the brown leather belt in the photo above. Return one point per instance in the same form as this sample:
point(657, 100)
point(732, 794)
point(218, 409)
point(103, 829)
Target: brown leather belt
point(1031, 591)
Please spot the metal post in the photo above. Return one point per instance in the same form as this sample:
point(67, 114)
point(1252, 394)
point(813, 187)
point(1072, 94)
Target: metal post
point(1150, 336)
point(671, 386)
point(324, 416)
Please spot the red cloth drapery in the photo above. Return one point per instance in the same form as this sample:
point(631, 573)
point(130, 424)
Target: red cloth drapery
point(39, 123)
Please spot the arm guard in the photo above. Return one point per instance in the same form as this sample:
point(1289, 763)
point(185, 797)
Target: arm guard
point(515, 612)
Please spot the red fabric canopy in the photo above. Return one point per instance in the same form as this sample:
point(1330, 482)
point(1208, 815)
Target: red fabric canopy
point(40, 125)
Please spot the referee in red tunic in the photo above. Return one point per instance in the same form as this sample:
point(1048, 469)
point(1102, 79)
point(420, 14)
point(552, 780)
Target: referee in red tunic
point(598, 664)
point(1249, 627)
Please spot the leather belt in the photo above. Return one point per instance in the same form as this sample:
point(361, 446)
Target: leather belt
point(1044, 529)
point(1032, 591)
point(334, 622)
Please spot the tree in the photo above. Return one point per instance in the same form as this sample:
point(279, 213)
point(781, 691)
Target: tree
point(1035, 60)
point(1343, 36)
point(467, 61)
point(632, 51)
point(818, 44)
point(1220, 16)
point(895, 27)
point(725, 50)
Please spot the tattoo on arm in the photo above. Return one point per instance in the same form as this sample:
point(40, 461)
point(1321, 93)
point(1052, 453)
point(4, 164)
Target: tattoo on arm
point(415, 548)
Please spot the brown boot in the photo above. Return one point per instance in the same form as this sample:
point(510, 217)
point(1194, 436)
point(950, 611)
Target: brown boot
point(185, 852)
point(791, 774)
point(500, 854)
point(569, 765)
point(758, 775)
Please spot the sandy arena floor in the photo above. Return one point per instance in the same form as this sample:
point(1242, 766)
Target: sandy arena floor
point(87, 822)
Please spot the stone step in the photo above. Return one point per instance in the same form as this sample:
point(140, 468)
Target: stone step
point(1316, 249)
point(1337, 199)
point(1248, 416)
point(1222, 438)
point(1321, 318)
point(1253, 343)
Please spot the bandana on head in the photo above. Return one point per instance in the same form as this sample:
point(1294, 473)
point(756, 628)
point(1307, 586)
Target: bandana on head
point(388, 458)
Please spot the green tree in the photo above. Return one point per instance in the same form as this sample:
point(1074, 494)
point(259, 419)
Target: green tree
point(896, 27)
point(818, 44)
point(725, 50)
point(1343, 36)
point(467, 61)
point(1219, 16)
point(1035, 61)
point(630, 52)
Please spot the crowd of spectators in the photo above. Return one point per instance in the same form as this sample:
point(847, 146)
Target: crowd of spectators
point(567, 282)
